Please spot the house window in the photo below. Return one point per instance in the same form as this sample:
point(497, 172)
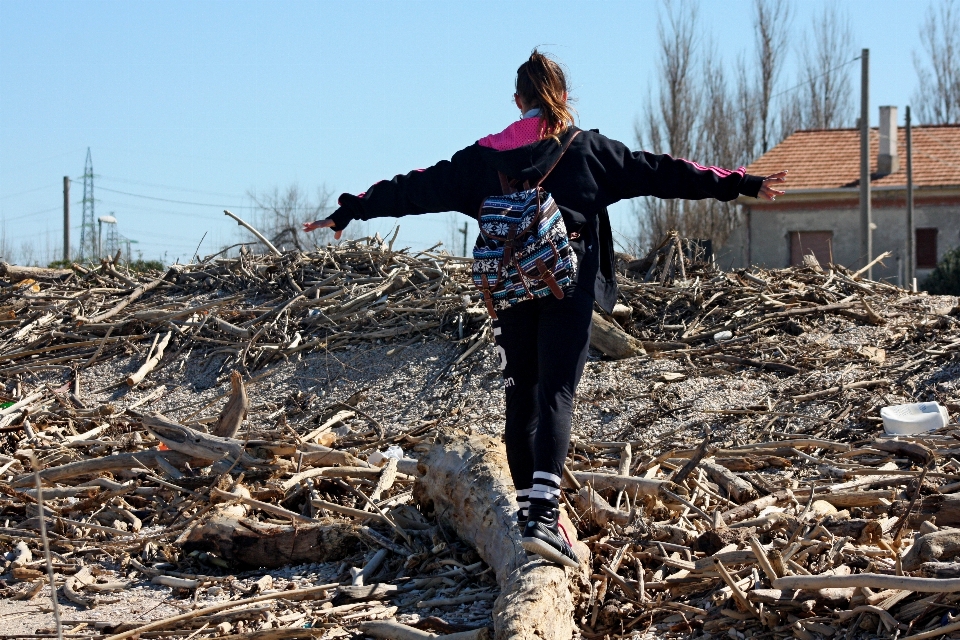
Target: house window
point(819, 243)
point(926, 248)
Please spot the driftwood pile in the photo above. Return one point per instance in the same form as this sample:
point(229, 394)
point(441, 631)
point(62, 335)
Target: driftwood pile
point(256, 309)
point(805, 522)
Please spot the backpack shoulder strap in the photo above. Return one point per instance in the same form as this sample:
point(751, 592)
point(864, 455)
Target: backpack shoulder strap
point(557, 161)
point(505, 184)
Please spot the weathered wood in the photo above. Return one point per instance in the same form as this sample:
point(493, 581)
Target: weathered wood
point(592, 505)
point(859, 529)
point(632, 485)
point(257, 544)
point(940, 569)
point(228, 604)
point(15, 273)
point(945, 507)
point(868, 580)
point(151, 362)
point(939, 545)
point(137, 460)
point(395, 631)
point(738, 488)
point(913, 451)
point(235, 411)
point(466, 485)
point(263, 506)
point(613, 341)
point(190, 441)
point(136, 293)
point(754, 507)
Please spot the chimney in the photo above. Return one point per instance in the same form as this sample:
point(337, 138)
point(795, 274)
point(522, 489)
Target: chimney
point(888, 161)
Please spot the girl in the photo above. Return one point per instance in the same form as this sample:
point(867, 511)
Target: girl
point(543, 343)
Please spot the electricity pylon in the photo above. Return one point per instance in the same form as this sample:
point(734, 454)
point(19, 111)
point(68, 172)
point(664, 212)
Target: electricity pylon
point(88, 227)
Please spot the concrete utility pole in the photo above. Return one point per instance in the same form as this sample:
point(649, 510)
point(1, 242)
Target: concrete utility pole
point(866, 216)
point(911, 270)
point(66, 219)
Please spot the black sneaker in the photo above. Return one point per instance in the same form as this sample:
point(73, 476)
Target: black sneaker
point(545, 537)
point(521, 520)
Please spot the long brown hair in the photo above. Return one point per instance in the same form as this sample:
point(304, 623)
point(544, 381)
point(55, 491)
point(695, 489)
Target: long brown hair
point(541, 83)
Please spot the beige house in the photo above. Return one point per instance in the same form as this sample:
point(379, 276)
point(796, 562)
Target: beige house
point(820, 212)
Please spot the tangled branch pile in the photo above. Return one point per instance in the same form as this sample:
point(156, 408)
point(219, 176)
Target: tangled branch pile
point(254, 308)
point(794, 517)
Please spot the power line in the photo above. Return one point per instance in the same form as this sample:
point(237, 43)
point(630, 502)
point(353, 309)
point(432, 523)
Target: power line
point(35, 213)
point(135, 207)
point(42, 160)
point(804, 83)
point(14, 195)
point(196, 204)
point(164, 186)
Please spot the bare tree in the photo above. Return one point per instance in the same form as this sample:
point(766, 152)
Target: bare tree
point(827, 101)
point(938, 92)
point(771, 24)
point(674, 127)
point(281, 215)
point(700, 114)
point(671, 126)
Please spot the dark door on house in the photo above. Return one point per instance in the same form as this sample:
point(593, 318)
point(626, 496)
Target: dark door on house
point(926, 248)
point(819, 243)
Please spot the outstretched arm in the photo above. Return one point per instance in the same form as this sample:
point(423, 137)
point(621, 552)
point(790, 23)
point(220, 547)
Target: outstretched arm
point(446, 186)
point(628, 174)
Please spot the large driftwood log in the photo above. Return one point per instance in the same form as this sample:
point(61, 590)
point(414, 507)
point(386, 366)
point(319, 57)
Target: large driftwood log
point(257, 544)
point(630, 484)
point(754, 507)
point(191, 442)
point(869, 580)
point(739, 489)
point(117, 461)
point(612, 340)
point(945, 507)
point(940, 545)
point(16, 272)
point(940, 569)
point(465, 480)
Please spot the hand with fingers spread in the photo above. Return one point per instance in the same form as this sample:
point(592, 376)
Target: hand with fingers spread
point(767, 191)
point(322, 224)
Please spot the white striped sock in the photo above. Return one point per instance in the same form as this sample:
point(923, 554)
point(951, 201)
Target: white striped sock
point(544, 475)
point(523, 501)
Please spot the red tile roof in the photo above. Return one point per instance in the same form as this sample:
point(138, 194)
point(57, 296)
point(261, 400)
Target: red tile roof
point(830, 158)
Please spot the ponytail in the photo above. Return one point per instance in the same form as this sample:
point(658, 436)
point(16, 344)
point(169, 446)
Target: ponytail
point(541, 83)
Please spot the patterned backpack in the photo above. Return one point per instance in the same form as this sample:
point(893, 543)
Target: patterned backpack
point(523, 251)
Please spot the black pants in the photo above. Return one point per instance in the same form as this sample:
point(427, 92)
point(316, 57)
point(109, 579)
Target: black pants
point(543, 345)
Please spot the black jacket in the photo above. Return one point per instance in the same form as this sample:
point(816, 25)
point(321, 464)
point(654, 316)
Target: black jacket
point(594, 173)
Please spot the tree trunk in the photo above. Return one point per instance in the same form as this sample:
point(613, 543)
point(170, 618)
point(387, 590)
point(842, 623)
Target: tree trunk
point(466, 481)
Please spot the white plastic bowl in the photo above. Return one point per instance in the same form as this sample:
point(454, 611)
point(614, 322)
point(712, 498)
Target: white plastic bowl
point(919, 417)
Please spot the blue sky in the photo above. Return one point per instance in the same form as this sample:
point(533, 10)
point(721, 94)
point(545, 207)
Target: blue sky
point(202, 102)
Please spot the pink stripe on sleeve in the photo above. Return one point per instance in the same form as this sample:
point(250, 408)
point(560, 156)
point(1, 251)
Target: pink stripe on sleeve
point(717, 171)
